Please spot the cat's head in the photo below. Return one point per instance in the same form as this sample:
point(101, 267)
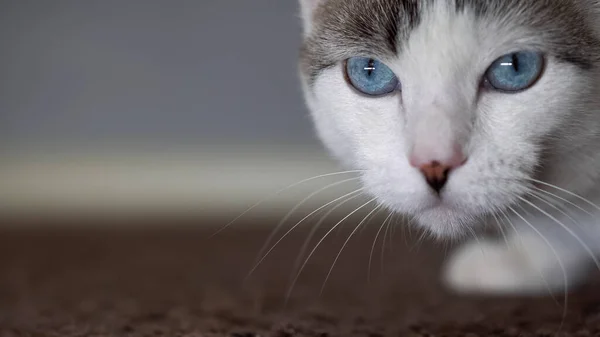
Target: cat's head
point(451, 107)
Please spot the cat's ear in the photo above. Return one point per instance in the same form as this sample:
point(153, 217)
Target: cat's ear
point(307, 9)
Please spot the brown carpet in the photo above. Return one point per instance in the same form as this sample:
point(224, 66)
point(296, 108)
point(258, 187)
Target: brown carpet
point(150, 282)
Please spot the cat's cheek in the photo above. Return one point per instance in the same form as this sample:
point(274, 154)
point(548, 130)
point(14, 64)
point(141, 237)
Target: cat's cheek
point(361, 131)
point(321, 98)
point(537, 112)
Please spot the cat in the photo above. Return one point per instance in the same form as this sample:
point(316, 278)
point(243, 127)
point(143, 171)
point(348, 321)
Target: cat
point(463, 114)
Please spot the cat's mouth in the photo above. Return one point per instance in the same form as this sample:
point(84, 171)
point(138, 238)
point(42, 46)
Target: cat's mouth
point(464, 203)
point(447, 215)
point(444, 221)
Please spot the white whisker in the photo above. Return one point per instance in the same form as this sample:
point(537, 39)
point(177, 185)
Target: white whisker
point(555, 207)
point(393, 225)
point(499, 225)
point(567, 192)
point(549, 199)
point(476, 240)
point(560, 263)
point(321, 241)
point(383, 241)
point(564, 200)
point(344, 246)
point(296, 225)
point(405, 228)
point(419, 242)
point(516, 232)
point(314, 230)
point(566, 228)
point(298, 205)
point(279, 192)
point(370, 219)
point(374, 244)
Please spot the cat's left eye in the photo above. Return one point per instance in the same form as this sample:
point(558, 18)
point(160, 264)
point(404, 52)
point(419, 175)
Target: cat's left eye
point(370, 76)
point(515, 72)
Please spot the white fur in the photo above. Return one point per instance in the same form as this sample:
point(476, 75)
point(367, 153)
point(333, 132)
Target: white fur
point(440, 104)
point(307, 8)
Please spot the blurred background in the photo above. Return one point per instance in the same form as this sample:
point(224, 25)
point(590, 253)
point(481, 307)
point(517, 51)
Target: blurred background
point(153, 106)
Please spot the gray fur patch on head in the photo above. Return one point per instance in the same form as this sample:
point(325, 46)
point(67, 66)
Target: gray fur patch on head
point(562, 27)
point(379, 28)
point(345, 28)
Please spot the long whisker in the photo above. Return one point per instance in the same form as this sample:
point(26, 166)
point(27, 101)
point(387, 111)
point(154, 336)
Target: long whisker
point(551, 200)
point(344, 246)
point(393, 225)
point(516, 232)
point(412, 228)
point(279, 192)
point(511, 224)
point(419, 242)
point(552, 204)
point(564, 200)
point(296, 225)
point(560, 263)
point(298, 205)
point(383, 242)
point(374, 244)
point(314, 230)
point(476, 240)
point(406, 228)
point(320, 242)
point(566, 191)
point(499, 225)
point(566, 228)
point(363, 228)
point(586, 247)
point(339, 231)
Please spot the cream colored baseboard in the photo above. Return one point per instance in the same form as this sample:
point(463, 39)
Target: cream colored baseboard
point(220, 180)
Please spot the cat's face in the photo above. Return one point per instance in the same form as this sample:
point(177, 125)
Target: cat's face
point(495, 92)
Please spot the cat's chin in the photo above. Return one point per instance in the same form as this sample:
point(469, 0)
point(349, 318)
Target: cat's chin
point(444, 222)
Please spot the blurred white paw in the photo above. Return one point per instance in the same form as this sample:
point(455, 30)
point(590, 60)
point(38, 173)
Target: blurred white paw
point(494, 268)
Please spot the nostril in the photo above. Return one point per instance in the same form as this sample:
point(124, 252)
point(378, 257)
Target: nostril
point(436, 175)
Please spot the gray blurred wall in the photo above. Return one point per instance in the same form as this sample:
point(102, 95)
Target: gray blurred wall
point(110, 73)
point(150, 105)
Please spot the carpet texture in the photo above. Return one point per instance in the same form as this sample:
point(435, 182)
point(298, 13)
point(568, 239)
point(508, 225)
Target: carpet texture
point(182, 282)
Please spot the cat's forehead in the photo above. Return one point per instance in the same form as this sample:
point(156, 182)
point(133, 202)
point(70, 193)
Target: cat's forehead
point(345, 28)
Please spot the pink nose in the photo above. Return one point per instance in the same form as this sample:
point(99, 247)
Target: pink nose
point(436, 171)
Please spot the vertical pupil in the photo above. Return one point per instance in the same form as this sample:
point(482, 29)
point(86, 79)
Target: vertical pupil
point(370, 67)
point(515, 62)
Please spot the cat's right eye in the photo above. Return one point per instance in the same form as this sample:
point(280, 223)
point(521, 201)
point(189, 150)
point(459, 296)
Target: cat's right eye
point(370, 76)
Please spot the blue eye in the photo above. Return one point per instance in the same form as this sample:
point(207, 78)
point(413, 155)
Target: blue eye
point(515, 72)
point(370, 76)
